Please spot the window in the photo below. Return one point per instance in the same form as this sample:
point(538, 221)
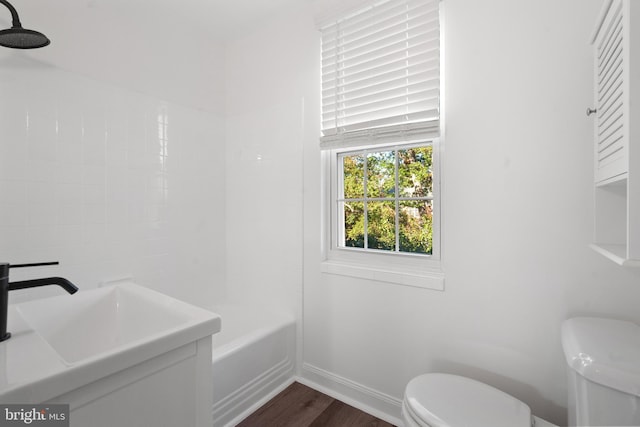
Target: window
point(380, 141)
point(385, 199)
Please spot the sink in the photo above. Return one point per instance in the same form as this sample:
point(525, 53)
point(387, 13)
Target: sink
point(103, 321)
point(112, 347)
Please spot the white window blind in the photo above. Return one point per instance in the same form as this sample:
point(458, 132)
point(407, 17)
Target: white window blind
point(381, 74)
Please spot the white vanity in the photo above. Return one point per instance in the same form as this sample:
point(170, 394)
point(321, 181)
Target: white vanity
point(121, 355)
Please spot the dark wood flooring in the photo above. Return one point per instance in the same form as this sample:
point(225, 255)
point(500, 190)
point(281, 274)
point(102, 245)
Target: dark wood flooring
point(301, 406)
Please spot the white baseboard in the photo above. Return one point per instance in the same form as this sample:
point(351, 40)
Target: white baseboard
point(371, 401)
point(234, 408)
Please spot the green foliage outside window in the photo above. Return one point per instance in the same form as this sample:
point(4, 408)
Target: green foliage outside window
point(412, 200)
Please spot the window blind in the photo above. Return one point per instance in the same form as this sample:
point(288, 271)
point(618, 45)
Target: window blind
point(381, 74)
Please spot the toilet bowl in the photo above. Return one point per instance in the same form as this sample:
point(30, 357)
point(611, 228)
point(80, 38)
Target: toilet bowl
point(444, 400)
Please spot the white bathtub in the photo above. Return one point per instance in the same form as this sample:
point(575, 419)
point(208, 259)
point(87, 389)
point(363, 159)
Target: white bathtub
point(253, 359)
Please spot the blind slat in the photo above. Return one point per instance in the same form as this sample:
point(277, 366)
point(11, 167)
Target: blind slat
point(372, 16)
point(430, 87)
point(375, 29)
point(380, 73)
point(403, 45)
point(362, 118)
point(411, 36)
point(372, 79)
point(397, 26)
point(395, 80)
point(383, 135)
point(390, 62)
point(372, 105)
point(378, 126)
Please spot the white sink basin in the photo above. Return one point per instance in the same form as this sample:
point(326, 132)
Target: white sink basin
point(100, 322)
point(112, 347)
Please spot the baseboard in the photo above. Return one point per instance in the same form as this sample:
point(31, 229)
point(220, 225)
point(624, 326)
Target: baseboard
point(366, 399)
point(243, 402)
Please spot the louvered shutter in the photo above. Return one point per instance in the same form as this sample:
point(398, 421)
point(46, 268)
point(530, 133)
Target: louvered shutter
point(381, 74)
point(610, 99)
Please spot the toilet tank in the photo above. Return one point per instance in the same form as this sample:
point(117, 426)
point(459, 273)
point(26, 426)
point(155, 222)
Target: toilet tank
point(604, 371)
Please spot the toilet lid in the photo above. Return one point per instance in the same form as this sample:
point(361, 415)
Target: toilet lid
point(443, 400)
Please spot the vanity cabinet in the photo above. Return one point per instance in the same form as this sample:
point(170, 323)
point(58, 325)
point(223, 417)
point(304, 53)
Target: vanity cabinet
point(169, 390)
point(616, 115)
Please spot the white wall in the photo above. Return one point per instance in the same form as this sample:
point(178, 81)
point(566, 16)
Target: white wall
point(87, 176)
point(517, 219)
point(133, 45)
point(267, 93)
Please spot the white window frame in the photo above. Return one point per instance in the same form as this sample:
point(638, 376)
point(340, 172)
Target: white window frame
point(418, 270)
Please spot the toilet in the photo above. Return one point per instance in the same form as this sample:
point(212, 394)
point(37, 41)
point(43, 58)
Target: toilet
point(604, 385)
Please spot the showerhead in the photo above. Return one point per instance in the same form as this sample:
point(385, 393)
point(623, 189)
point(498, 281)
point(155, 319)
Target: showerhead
point(20, 38)
point(17, 37)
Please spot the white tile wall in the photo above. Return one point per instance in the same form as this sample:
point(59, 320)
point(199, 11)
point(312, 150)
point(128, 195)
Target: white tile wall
point(110, 183)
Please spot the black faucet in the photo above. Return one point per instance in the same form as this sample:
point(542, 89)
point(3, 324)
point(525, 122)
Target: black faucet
point(5, 287)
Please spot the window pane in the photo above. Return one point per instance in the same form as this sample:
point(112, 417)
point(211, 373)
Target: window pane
point(353, 176)
point(353, 224)
point(371, 212)
point(381, 222)
point(414, 172)
point(381, 175)
point(416, 226)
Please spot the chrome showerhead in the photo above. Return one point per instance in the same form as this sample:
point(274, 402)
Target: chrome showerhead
point(17, 37)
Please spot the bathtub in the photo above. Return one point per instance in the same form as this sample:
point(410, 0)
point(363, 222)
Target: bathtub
point(253, 359)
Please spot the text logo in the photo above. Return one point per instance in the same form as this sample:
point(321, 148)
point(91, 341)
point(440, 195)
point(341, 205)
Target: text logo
point(34, 415)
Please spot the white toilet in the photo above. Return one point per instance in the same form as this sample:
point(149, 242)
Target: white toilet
point(604, 385)
point(444, 400)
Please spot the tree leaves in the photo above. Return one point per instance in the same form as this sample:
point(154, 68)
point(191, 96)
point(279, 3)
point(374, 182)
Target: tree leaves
point(378, 172)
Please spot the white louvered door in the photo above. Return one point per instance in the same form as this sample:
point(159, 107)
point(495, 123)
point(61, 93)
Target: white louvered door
point(611, 140)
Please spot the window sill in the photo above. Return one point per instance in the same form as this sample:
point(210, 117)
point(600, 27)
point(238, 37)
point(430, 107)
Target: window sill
point(433, 280)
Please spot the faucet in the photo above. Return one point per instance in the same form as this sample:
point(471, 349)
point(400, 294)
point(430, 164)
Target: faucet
point(6, 286)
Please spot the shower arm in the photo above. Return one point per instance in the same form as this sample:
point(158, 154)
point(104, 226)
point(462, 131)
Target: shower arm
point(14, 14)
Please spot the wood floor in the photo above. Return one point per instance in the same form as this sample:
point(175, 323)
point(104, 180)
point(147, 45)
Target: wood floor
point(301, 406)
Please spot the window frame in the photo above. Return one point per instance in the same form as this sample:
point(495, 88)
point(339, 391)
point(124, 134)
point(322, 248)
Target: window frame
point(418, 270)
